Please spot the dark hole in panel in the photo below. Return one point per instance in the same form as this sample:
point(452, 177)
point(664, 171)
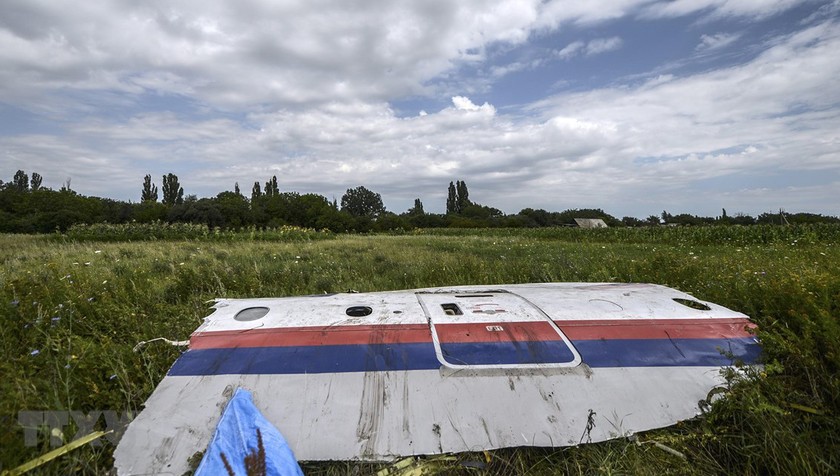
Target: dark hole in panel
point(451, 309)
point(358, 311)
point(693, 304)
point(473, 295)
point(251, 314)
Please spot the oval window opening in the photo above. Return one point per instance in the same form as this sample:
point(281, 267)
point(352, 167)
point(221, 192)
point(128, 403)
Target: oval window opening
point(693, 304)
point(358, 311)
point(251, 314)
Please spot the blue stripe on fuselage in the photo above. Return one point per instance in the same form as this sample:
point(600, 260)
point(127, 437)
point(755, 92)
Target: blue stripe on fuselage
point(507, 353)
point(421, 356)
point(668, 352)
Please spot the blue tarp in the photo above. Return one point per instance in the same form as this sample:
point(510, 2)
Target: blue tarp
point(236, 437)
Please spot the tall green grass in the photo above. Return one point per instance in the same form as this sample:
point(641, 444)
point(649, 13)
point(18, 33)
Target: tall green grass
point(717, 235)
point(84, 303)
point(106, 232)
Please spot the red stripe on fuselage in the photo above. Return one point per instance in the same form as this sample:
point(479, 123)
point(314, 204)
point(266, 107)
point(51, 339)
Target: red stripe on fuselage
point(315, 335)
point(496, 332)
point(709, 328)
point(656, 329)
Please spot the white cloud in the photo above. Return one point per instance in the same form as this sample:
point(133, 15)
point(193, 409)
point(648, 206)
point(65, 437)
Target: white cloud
point(716, 41)
point(233, 54)
point(261, 52)
point(498, 71)
point(558, 12)
point(779, 109)
point(603, 45)
point(303, 91)
point(756, 9)
point(590, 48)
point(464, 104)
point(571, 50)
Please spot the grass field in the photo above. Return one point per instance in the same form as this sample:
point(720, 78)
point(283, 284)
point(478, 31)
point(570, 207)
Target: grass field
point(72, 309)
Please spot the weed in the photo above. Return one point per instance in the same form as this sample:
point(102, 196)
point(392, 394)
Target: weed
point(74, 306)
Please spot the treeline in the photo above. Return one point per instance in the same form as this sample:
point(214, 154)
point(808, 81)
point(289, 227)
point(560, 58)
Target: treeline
point(28, 207)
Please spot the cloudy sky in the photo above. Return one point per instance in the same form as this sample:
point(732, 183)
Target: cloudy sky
point(633, 106)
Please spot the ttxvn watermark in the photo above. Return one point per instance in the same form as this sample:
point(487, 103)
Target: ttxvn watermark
point(52, 424)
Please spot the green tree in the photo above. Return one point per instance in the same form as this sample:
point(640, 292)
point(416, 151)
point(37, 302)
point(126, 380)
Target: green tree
point(463, 196)
point(35, 183)
point(271, 188)
point(458, 198)
point(539, 217)
point(234, 209)
point(429, 220)
point(475, 210)
point(451, 200)
point(281, 209)
point(173, 193)
point(390, 221)
point(192, 210)
point(149, 212)
point(150, 190)
point(21, 181)
point(361, 202)
point(417, 209)
point(633, 222)
point(256, 192)
point(318, 212)
point(724, 217)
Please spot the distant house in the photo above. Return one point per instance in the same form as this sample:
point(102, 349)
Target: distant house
point(590, 223)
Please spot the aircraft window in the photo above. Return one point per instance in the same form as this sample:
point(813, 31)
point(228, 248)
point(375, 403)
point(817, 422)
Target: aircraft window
point(358, 311)
point(251, 314)
point(693, 304)
point(451, 309)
